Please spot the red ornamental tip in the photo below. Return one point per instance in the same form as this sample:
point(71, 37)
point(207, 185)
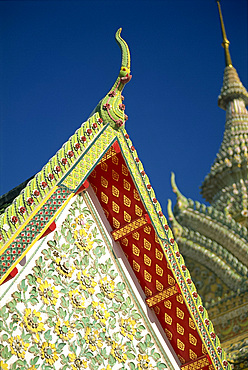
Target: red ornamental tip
point(177, 254)
point(207, 323)
point(106, 106)
point(94, 125)
point(166, 227)
point(122, 97)
point(89, 131)
point(132, 148)
point(44, 184)
point(119, 123)
point(154, 200)
point(14, 219)
point(126, 136)
point(126, 117)
point(30, 201)
point(83, 139)
point(64, 161)
point(112, 93)
point(57, 169)
point(201, 309)
point(183, 267)
point(160, 214)
point(172, 241)
point(189, 281)
point(143, 173)
point(137, 160)
point(149, 186)
point(225, 363)
point(36, 193)
point(219, 350)
point(212, 335)
point(122, 106)
point(76, 146)
point(22, 210)
point(50, 176)
point(70, 153)
point(99, 120)
point(195, 295)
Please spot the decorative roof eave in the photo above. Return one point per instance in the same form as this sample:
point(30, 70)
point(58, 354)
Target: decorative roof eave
point(210, 254)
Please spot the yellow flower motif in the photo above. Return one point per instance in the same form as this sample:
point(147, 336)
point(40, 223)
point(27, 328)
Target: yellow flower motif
point(143, 362)
point(78, 363)
point(48, 293)
point(100, 312)
point(127, 328)
point(107, 287)
point(64, 267)
point(48, 352)
point(76, 298)
point(3, 366)
point(107, 368)
point(63, 330)
point(18, 347)
point(83, 242)
point(78, 221)
point(92, 339)
point(32, 321)
point(118, 352)
point(86, 282)
point(32, 368)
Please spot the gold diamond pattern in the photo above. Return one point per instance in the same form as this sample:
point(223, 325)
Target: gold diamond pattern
point(104, 182)
point(104, 166)
point(136, 195)
point(191, 323)
point(180, 329)
point(148, 292)
point(135, 250)
point(168, 334)
point(104, 197)
point(115, 207)
point(171, 281)
point(138, 211)
point(159, 270)
point(127, 201)
point(136, 235)
point(115, 175)
point(192, 354)
point(180, 345)
point(167, 319)
point(192, 339)
point(124, 170)
point(159, 286)
point(156, 310)
point(147, 229)
point(147, 260)
point(147, 244)
point(179, 298)
point(147, 276)
point(124, 241)
point(127, 217)
point(115, 160)
point(126, 185)
point(136, 266)
point(180, 313)
point(116, 223)
point(158, 254)
point(168, 304)
point(115, 191)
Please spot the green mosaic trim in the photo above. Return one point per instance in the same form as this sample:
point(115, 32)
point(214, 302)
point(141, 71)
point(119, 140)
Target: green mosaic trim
point(43, 184)
point(74, 308)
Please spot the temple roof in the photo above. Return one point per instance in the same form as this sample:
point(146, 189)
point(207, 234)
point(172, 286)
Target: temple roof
point(102, 154)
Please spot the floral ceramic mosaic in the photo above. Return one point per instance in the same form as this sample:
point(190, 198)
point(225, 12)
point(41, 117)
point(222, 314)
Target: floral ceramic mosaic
point(74, 310)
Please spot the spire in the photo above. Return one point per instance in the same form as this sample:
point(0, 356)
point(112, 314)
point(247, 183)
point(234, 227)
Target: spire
point(225, 42)
point(226, 187)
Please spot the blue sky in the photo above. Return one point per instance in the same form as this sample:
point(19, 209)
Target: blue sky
point(59, 58)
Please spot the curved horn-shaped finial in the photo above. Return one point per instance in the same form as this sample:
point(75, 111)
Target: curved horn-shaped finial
point(111, 108)
point(181, 199)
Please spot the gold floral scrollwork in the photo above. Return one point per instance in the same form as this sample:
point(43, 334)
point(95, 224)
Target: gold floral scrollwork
point(136, 235)
point(115, 191)
point(182, 360)
point(135, 250)
point(192, 339)
point(116, 223)
point(159, 286)
point(168, 304)
point(104, 182)
point(179, 298)
point(192, 354)
point(147, 244)
point(138, 211)
point(147, 260)
point(158, 254)
point(147, 229)
point(159, 270)
point(126, 185)
point(180, 313)
point(167, 319)
point(115, 207)
point(180, 329)
point(191, 323)
point(171, 281)
point(104, 166)
point(147, 276)
point(115, 160)
point(180, 345)
point(124, 170)
point(168, 334)
point(115, 175)
point(136, 266)
point(124, 241)
point(136, 195)
point(127, 202)
point(148, 292)
point(104, 198)
point(127, 217)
